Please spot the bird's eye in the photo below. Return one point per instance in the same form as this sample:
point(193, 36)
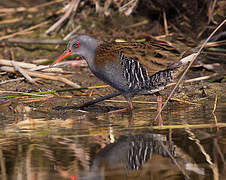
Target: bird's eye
point(76, 44)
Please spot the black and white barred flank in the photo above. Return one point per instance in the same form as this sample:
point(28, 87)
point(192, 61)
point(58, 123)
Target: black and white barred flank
point(141, 149)
point(138, 78)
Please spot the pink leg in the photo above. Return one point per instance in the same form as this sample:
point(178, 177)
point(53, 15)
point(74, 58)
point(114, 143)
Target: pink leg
point(159, 101)
point(129, 109)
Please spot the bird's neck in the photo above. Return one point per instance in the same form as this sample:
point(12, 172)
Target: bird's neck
point(90, 54)
point(90, 58)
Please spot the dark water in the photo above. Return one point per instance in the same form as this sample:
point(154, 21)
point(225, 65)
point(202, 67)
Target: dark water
point(78, 145)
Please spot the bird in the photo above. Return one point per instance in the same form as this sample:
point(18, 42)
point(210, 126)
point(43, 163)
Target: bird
point(133, 151)
point(131, 68)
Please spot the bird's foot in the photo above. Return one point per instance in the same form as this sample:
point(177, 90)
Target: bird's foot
point(129, 109)
point(124, 110)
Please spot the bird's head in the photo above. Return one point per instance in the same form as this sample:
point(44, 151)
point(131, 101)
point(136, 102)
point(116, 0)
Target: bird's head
point(83, 46)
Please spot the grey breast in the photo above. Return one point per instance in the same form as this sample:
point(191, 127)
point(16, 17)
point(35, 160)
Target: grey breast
point(112, 73)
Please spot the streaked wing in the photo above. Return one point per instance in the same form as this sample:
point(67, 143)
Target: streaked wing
point(153, 56)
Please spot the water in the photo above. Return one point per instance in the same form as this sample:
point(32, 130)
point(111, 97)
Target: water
point(78, 145)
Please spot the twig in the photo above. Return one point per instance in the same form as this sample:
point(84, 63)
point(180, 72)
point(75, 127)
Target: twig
point(97, 5)
point(6, 62)
point(8, 21)
point(33, 9)
point(183, 101)
point(74, 4)
point(15, 92)
point(195, 79)
point(202, 149)
point(186, 70)
point(43, 76)
point(215, 105)
point(127, 9)
point(137, 24)
point(34, 41)
point(210, 12)
point(12, 54)
point(11, 80)
point(174, 160)
point(24, 31)
point(19, 94)
point(140, 102)
point(191, 126)
point(19, 69)
point(165, 23)
point(68, 82)
point(106, 6)
point(149, 102)
point(219, 151)
point(30, 66)
point(48, 4)
point(72, 32)
point(47, 68)
point(215, 42)
point(48, 92)
point(176, 126)
point(214, 109)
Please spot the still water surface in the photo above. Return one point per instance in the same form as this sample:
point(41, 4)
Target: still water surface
point(78, 145)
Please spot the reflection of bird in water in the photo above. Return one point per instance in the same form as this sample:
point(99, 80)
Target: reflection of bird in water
point(130, 153)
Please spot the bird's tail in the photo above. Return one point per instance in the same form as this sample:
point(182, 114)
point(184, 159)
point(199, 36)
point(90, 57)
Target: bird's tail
point(179, 66)
point(159, 80)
